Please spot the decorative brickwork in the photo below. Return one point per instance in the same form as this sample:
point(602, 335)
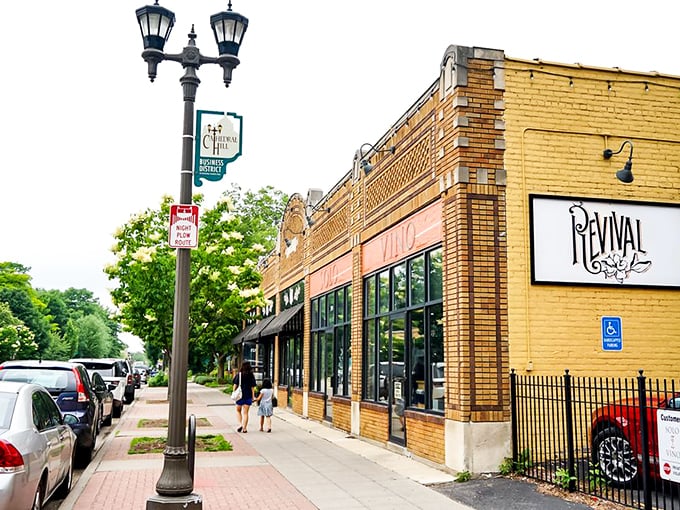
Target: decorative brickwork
point(297, 401)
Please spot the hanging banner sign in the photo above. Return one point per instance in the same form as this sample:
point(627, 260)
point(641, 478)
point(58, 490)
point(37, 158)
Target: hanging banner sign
point(218, 142)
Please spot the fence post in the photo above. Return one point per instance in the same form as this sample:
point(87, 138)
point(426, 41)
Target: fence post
point(644, 437)
point(568, 415)
point(513, 411)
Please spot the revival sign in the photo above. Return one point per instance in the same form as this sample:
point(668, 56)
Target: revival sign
point(218, 142)
point(604, 242)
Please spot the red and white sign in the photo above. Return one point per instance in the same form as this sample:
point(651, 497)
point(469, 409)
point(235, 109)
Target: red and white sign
point(183, 226)
point(668, 432)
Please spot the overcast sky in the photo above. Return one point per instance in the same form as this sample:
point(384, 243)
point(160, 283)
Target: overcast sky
point(87, 140)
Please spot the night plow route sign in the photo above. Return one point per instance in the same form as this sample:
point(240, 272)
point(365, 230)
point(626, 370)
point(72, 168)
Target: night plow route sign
point(218, 142)
point(183, 226)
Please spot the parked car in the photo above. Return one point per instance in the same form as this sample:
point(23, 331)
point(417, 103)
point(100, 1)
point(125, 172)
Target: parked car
point(105, 395)
point(36, 447)
point(71, 388)
point(116, 372)
point(137, 374)
point(616, 438)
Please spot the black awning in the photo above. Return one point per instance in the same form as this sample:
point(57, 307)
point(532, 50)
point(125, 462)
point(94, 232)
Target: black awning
point(239, 336)
point(285, 318)
point(254, 332)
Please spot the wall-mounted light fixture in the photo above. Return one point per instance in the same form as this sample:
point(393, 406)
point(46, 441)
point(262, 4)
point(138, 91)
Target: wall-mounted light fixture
point(365, 162)
point(626, 173)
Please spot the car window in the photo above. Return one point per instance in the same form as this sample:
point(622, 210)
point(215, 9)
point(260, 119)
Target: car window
point(7, 401)
point(41, 414)
point(97, 381)
point(54, 380)
point(53, 414)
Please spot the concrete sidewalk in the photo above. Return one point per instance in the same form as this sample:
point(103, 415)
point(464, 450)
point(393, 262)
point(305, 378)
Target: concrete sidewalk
point(302, 464)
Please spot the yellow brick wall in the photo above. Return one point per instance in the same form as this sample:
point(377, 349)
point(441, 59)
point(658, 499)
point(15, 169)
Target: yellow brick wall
point(425, 436)
point(555, 124)
point(374, 422)
point(297, 401)
point(342, 414)
point(316, 406)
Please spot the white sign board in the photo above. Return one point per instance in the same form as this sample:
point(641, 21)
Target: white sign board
point(604, 242)
point(183, 226)
point(668, 432)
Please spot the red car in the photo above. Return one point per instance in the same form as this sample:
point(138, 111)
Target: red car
point(616, 438)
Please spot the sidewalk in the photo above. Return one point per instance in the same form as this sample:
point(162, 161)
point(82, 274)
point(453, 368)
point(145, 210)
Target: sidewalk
point(302, 464)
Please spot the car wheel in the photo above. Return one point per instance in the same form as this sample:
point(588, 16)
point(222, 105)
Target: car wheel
point(117, 409)
point(65, 487)
point(39, 495)
point(107, 420)
point(614, 456)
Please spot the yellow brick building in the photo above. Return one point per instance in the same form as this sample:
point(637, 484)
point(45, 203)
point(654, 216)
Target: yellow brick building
point(403, 297)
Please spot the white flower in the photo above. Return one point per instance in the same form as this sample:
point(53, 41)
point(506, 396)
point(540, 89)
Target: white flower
point(227, 200)
point(229, 250)
point(249, 263)
point(226, 235)
point(258, 247)
point(156, 236)
point(235, 270)
point(210, 304)
point(150, 317)
point(204, 325)
point(237, 235)
point(214, 276)
point(118, 232)
point(204, 270)
point(232, 287)
point(210, 249)
point(227, 217)
point(247, 293)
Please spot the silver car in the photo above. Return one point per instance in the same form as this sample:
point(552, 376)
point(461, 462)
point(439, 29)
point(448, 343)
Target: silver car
point(36, 447)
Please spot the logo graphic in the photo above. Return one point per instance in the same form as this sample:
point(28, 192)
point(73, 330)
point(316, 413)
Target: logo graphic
point(218, 142)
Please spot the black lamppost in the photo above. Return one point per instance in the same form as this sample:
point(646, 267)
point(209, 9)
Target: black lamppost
point(175, 485)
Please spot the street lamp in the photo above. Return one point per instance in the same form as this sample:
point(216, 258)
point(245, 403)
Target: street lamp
point(175, 485)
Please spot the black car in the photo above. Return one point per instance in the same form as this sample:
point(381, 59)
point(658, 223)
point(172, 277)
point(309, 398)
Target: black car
point(71, 388)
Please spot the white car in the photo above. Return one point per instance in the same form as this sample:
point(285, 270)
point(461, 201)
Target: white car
point(117, 373)
point(36, 447)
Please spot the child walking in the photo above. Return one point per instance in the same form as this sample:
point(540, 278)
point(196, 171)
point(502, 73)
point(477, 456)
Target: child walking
point(266, 407)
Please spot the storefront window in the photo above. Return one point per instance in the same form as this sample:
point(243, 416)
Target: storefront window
point(409, 293)
point(331, 356)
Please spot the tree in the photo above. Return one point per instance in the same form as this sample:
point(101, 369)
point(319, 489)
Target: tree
point(16, 340)
point(90, 335)
point(224, 278)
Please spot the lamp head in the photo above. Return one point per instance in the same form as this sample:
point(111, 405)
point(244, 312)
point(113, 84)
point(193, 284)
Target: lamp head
point(156, 23)
point(625, 175)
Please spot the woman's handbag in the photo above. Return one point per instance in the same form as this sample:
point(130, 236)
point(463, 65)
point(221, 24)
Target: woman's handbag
point(237, 394)
point(275, 402)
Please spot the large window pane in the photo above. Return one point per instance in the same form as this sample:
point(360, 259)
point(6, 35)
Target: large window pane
point(384, 292)
point(437, 373)
point(369, 356)
point(340, 305)
point(383, 356)
point(348, 359)
point(314, 360)
point(330, 300)
point(399, 287)
point(322, 312)
point(370, 296)
point(417, 358)
point(417, 275)
point(349, 303)
point(315, 313)
point(435, 274)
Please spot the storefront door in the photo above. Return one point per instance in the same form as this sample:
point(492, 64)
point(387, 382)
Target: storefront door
point(396, 382)
point(330, 379)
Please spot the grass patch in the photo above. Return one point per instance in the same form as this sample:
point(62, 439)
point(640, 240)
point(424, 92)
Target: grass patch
point(205, 443)
point(163, 422)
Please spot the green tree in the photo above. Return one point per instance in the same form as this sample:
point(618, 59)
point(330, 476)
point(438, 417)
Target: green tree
point(224, 279)
point(16, 340)
point(90, 335)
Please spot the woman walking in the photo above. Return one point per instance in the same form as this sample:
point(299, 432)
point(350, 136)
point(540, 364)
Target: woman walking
point(246, 380)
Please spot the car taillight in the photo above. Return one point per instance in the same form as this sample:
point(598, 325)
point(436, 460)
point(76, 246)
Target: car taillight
point(130, 380)
point(11, 460)
point(80, 388)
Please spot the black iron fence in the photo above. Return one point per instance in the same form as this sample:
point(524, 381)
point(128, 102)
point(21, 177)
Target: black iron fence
point(614, 438)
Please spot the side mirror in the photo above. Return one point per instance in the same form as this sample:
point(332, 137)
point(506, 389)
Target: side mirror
point(70, 419)
point(111, 387)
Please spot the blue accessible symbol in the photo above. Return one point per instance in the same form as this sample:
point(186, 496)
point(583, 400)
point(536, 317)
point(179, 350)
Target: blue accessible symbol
point(612, 336)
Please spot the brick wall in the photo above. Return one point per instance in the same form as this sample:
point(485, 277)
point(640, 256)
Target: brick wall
point(425, 434)
point(374, 422)
point(316, 407)
point(559, 118)
point(342, 410)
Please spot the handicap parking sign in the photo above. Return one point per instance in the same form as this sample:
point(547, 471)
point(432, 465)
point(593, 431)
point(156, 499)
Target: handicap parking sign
point(612, 336)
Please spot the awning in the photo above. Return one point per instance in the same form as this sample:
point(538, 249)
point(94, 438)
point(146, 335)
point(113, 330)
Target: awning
point(239, 336)
point(288, 320)
point(254, 332)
